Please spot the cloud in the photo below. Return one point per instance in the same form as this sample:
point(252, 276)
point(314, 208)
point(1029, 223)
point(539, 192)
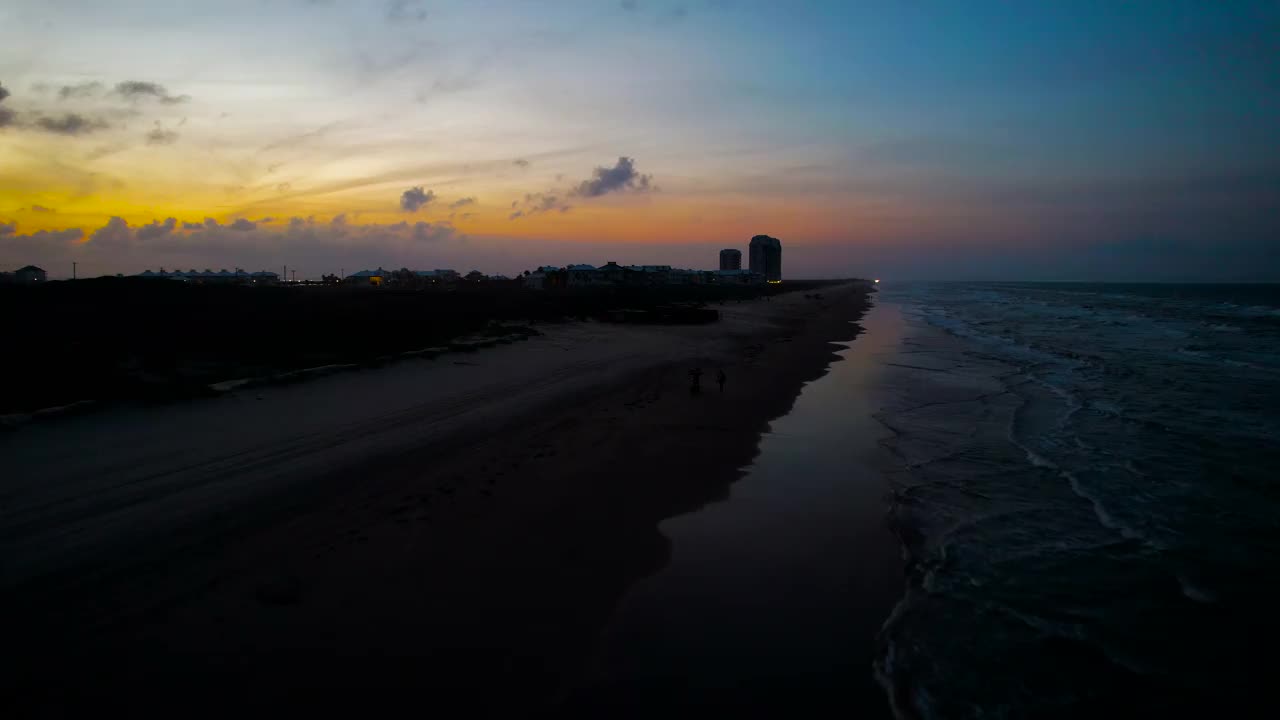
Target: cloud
point(6, 115)
point(629, 4)
point(192, 226)
point(8, 228)
point(414, 198)
point(85, 89)
point(139, 90)
point(157, 229)
point(462, 202)
point(243, 225)
point(537, 203)
point(622, 177)
point(399, 11)
point(105, 150)
point(317, 247)
point(42, 209)
point(520, 163)
point(619, 178)
point(50, 236)
point(115, 232)
point(418, 232)
point(70, 124)
point(542, 203)
point(160, 136)
point(433, 232)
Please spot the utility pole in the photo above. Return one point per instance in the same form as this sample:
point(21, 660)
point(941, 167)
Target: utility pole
point(284, 273)
point(295, 276)
point(73, 270)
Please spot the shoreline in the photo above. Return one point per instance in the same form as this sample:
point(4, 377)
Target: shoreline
point(774, 598)
point(489, 559)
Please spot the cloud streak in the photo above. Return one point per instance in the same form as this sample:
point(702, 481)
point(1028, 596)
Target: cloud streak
point(161, 136)
point(139, 90)
point(399, 11)
point(81, 90)
point(70, 124)
point(6, 115)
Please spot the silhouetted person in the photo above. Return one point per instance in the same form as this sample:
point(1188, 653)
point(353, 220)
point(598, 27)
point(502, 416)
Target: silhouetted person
point(720, 378)
point(695, 381)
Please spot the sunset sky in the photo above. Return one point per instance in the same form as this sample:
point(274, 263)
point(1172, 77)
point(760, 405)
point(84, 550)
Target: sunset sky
point(1038, 140)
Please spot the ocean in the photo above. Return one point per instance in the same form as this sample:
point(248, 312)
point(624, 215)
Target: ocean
point(1086, 482)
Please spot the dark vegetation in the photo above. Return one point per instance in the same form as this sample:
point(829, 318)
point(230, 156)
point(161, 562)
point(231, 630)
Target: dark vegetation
point(112, 338)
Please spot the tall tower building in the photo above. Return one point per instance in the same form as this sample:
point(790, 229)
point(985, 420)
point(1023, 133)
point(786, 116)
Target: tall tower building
point(730, 259)
point(766, 257)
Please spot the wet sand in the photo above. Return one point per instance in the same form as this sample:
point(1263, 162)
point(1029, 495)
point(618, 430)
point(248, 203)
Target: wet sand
point(774, 598)
point(456, 530)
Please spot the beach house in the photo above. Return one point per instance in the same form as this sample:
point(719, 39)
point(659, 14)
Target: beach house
point(30, 275)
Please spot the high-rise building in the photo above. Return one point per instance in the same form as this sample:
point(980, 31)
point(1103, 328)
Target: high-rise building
point(730, 259)
point(766, 257)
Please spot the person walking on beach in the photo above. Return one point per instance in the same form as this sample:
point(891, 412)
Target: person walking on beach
point(720, 378)
point(695, 381)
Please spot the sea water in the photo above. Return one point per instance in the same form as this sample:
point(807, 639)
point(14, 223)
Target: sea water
point(1087, 487)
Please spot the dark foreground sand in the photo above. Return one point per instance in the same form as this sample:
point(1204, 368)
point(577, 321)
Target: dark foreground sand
point(431, 535)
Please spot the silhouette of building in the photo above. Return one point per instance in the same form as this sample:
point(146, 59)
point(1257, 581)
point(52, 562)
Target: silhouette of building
point(546, 277)
point(766, 257)
point(582, 275)
point(210, 277)
point(30, 275)
point(738, 277)
point(730, 259)
point(369, 278)
point(439, 276)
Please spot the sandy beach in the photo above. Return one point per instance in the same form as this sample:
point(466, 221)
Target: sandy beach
point(456, 529)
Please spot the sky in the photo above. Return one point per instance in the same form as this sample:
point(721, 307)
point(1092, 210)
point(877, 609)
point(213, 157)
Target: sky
point(1048, 140)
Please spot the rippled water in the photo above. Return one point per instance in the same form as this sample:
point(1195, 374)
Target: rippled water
point(1088, 491)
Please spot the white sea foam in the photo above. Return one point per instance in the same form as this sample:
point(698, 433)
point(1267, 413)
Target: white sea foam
point(1100, 510)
